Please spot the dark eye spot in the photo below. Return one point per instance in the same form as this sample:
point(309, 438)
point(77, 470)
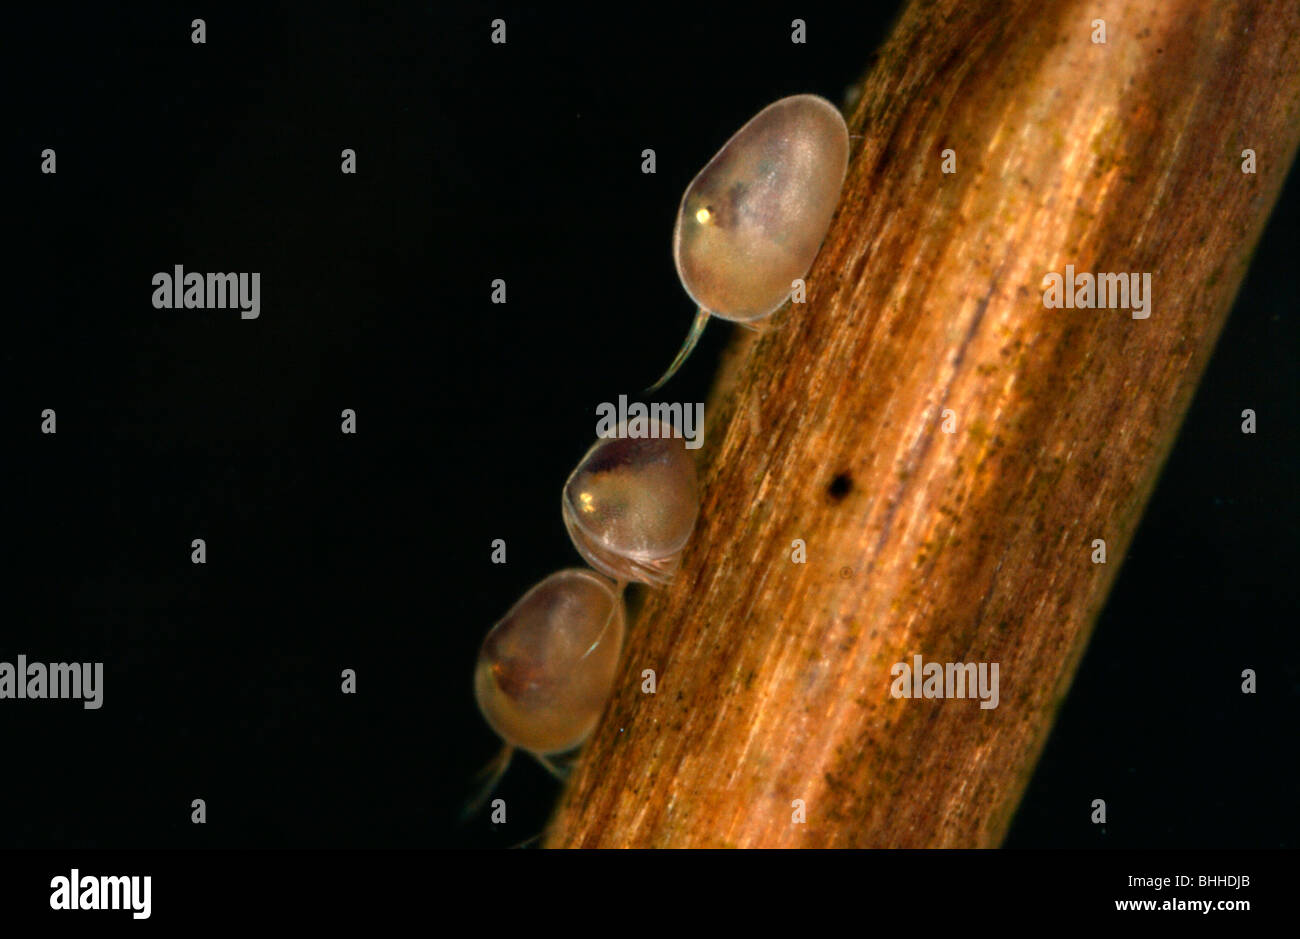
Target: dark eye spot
point(840, 486)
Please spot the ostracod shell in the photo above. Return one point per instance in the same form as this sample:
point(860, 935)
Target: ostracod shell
point(630, 505)
point(753, 220)
point(547, 668)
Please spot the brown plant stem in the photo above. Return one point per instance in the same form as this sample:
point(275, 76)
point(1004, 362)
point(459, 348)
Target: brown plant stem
point(773, 678)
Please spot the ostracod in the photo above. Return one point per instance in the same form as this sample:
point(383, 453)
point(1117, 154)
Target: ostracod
point(630, 505)
point(753, 220)
point(547, 668)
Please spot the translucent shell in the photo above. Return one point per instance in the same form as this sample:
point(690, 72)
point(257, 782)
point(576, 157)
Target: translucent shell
point(753, 220)
point(547, 668)
point(630, 505)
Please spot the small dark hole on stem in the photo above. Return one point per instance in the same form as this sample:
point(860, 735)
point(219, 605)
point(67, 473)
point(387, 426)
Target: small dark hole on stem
point(840, 486)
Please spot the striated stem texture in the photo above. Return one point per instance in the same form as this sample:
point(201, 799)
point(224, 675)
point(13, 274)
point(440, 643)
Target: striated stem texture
point(925, 309)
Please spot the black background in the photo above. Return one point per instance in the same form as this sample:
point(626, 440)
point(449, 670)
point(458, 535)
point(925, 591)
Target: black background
point(371, 552)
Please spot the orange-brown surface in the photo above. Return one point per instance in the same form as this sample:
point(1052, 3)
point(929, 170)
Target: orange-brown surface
point(972, 546)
